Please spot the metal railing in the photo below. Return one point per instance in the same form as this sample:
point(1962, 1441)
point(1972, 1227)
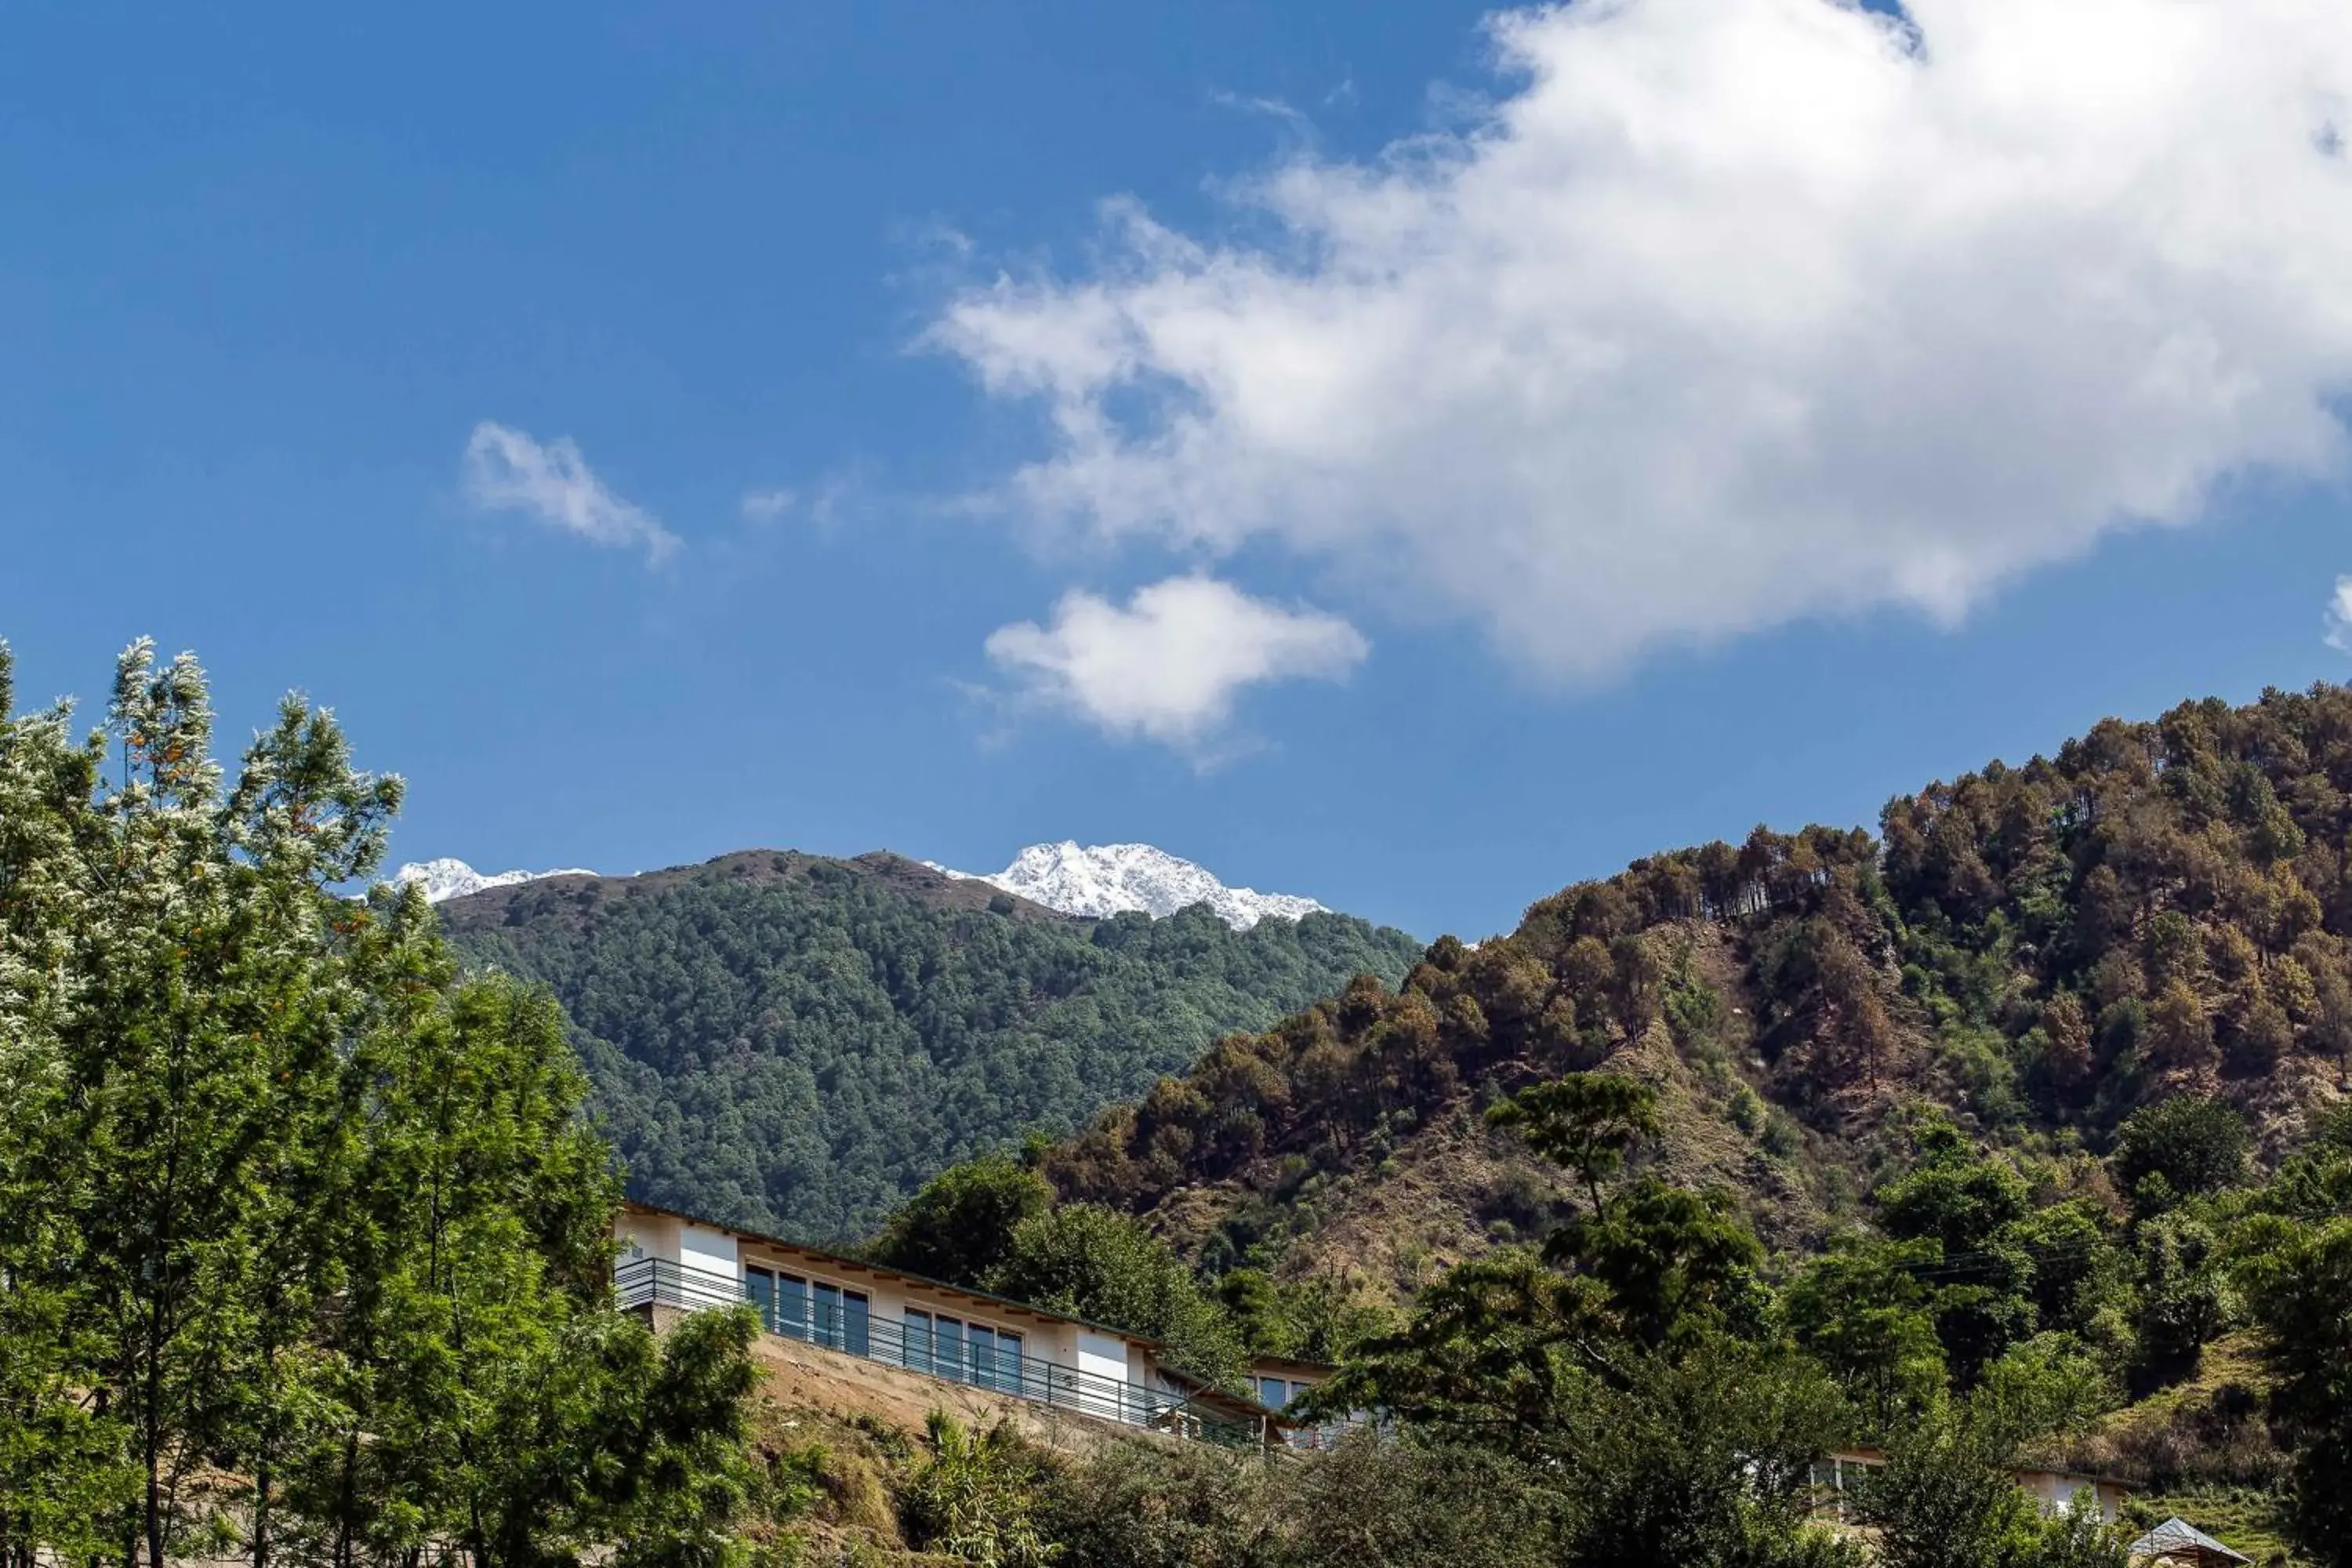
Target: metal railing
point(999, 1367)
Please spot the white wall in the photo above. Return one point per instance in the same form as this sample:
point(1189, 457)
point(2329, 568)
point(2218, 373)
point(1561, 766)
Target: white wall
point(1102, 1356)
point(707, 1256)
point(645, 1236)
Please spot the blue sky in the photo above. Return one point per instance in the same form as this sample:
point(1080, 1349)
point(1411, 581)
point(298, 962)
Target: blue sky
point(1550, 444)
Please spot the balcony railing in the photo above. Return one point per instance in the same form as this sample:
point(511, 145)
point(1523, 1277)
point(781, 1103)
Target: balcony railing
point(657, 1282)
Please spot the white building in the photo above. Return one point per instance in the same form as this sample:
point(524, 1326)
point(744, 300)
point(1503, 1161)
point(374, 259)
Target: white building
point(1838, 1476)
point(679, 1263)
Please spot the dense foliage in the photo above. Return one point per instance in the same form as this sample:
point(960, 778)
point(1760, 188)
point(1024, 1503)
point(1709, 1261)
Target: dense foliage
point(2003, 1087)
point(794, 1044)
point(992, 1224)
point(304, 1238)
point(303, 1245)
point(2162, 910)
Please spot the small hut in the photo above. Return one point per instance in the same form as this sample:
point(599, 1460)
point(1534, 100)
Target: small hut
point(2177, 1541)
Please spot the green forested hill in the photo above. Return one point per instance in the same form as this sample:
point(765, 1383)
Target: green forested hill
point(2160, 908)
point(795, 1043)
point(2043, 1086)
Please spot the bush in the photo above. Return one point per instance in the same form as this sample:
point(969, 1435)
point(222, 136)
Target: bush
point(977, 1499)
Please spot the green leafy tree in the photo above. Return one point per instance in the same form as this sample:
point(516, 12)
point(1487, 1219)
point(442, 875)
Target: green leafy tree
point(1863, 1312)
point(2050, 1385)
point(2298, 1284)
point(1253, 1303)
point(1968, 1207)
point(1411, 1504)
point(2179, 1147)
point(960, 1225)
point(284, 1202)
point(481, 1229)
point(1587, 1121)
point(1945, 1498)
point(2183, 1299)
point(2079, 1272)
point(1485, 1358)
point(1674, 1266)
point(1095, 1263)
point(1703, 1456)
point(1701, 1462)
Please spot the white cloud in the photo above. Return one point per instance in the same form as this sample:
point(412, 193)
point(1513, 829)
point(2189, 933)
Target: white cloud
point(766, 506)
point(1729, 313)
point(2339, 617)
point(1169, 666)
point(506, 470)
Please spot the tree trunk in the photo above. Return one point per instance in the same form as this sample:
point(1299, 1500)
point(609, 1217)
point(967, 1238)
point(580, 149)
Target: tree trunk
point(261, 1515)
point(154, 1500)
point(346, 1501)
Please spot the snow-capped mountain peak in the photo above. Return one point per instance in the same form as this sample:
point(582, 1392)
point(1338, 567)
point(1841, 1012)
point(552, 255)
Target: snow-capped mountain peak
point(1101, 880)
point(452, 879)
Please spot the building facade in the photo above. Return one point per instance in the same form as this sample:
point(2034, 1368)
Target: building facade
point(1839, 1475)
point(842, 1304)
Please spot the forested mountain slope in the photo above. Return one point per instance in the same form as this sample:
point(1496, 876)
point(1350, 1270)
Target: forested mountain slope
point(794, 1043)
point(2161, 908)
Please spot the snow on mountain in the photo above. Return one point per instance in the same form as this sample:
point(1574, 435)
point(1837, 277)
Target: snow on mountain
point(451, 879)
point(1103, 879)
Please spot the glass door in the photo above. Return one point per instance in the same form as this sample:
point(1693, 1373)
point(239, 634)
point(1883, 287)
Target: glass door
point(759, 1290)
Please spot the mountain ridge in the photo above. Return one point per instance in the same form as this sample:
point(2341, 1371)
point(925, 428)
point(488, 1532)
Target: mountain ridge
point(794, 1042)
point(445, 876)
point(2161, 910)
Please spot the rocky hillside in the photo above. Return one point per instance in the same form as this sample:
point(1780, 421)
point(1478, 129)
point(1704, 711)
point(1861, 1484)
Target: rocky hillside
point(2160, 907)
point(794, 1043)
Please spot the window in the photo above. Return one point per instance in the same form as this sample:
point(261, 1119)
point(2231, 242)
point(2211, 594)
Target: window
point(994, 1357)
point(840, 1319)
point(965, 1352)
point(950, 1348)
point(1835, 1482)
point(1275, 1393)
point(759, 1290)
point(782, 1301)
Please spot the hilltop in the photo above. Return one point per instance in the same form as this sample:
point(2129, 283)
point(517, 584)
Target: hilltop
point(2160, 908)
point(794, 1042)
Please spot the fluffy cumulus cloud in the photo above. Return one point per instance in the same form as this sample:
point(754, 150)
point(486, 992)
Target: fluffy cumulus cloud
point(1723, 314)
point(506, 470)
point(1168, 665)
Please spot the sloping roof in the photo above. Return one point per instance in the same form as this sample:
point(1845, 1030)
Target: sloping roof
point(2177, 1538)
